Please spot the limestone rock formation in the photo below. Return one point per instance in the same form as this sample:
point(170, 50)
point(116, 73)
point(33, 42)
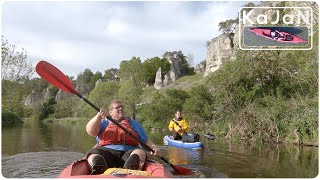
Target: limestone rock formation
point(200, 68)
point(82, 89)
point(34, 98)
point(158, 80)
point(174, 72)
point(50, 92)
point(62, 95)
point(98, 82)
point(166, 80)
point(219, 49)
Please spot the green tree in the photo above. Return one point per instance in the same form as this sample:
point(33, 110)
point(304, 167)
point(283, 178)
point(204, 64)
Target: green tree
point(151, 66)
point(48, 108)
point(9, 118)
point(199, 106)
point(111, 74)
point(14, 64)
point(130, 93)
point(182, 61)
point(228, 26)
point(15, 70)
point(36, 84)
point(94, 78)
point(263, 95)
point(101, 95)
point(131, 69)
point(13, 94)
point(163, 107)
point(68, 107)
point(84, 77)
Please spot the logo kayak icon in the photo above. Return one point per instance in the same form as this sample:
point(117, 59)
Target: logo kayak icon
point(275, 28)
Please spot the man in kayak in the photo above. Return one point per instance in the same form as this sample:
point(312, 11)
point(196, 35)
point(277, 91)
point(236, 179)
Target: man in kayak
point(178, 125)
point(115, 147)
point(273, 34)
point(280, 35)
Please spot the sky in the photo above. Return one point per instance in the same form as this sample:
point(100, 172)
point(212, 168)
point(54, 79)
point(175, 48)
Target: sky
point(75, 35)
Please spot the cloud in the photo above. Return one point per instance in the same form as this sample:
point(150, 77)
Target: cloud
point(99, 35)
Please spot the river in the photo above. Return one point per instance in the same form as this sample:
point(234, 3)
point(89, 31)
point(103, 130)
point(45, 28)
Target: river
point(37, 150)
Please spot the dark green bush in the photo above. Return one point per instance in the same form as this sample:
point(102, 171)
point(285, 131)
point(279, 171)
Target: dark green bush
point(10, 118)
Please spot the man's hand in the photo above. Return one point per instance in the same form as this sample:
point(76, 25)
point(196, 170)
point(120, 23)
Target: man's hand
point(156, 152)
point(102, 114)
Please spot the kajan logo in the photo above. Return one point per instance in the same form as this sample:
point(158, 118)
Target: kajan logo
point(275, 28)
point(275, 15)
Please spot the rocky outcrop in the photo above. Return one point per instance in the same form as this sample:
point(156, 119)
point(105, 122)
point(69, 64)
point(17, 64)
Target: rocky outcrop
point(82, 89)
point(62, 95)
point(174, 72)
point(158, 80)
point(220, 49)
point(50, 92)
point(166, 80)
point(34, 98)
point(200, 68)
point(98, 82)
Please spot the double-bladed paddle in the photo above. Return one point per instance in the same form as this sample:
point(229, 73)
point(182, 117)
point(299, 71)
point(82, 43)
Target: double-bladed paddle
point(57, 78)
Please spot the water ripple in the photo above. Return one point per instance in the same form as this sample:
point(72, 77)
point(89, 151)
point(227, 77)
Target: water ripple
point(37, 164)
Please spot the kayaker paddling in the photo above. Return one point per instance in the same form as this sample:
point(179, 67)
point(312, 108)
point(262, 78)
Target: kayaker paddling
point(81, 168)
point(178, 125)
point(115, 147)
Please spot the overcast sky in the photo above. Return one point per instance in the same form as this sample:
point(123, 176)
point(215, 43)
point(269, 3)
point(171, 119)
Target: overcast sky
point(99, 35)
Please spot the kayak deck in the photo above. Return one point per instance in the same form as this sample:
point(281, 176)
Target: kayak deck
point(80, 169)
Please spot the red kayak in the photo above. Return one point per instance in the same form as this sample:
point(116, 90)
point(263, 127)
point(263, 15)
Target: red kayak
point(288, 38)
point(80, 169)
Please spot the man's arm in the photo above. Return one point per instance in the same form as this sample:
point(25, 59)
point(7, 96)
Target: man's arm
point(92, 126)
point(170, 127)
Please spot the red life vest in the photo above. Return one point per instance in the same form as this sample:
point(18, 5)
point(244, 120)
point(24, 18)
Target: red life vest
point(115, 135)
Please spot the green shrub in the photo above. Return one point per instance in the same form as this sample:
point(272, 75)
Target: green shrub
point(10, 118)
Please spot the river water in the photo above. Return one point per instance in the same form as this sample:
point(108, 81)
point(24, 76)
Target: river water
point(37, 150)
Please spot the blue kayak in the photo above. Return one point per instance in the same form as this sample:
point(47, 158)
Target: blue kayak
point(169, 141)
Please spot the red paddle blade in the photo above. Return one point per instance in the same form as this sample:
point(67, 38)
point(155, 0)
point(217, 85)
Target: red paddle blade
point(181, 170)
point(54, 76)
point(178, 170)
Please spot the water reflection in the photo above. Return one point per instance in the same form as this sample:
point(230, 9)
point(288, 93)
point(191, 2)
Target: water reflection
point(177, 156)
point(22, 146)
point(264, 160)
point(35, 137)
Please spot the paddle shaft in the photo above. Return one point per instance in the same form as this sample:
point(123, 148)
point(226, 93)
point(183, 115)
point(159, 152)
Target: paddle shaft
point(177, 123)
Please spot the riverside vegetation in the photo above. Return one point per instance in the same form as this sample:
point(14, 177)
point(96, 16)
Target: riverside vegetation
point(261, 96)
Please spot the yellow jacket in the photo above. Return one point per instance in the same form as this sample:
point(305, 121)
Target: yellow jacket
point(183, 123)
